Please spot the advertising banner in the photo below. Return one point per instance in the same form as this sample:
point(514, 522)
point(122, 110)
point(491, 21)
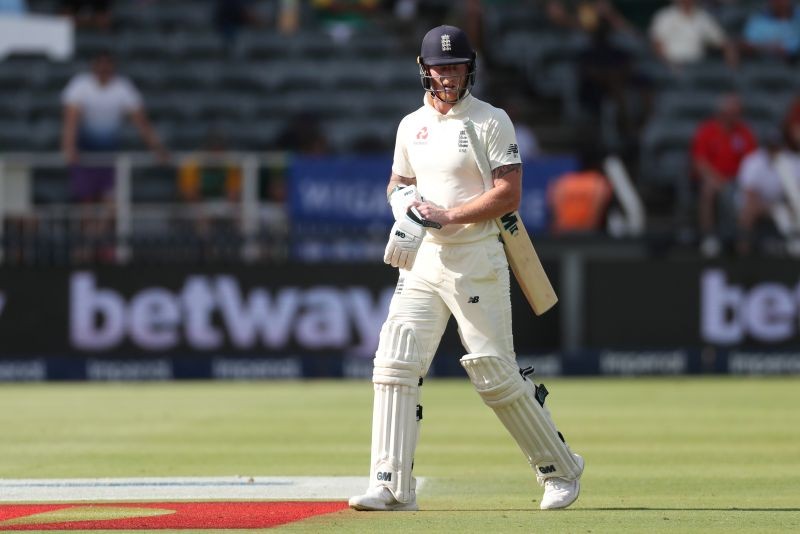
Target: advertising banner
point(343, 190)
point(655, 317)
point(248, 322)
point(725, 305)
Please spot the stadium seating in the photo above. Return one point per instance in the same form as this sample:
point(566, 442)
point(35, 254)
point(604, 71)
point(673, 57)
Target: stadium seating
point(359, 90)
point(173, 54)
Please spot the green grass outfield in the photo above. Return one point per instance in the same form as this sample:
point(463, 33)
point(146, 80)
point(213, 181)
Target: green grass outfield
point(662, 455)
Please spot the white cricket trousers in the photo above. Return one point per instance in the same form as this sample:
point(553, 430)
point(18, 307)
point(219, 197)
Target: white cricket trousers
point(469, 281)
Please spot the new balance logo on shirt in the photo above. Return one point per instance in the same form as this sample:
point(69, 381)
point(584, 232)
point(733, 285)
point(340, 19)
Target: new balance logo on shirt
point(512, 149)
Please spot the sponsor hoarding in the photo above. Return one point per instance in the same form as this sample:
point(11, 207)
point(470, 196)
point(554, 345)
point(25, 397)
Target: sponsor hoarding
point(160, 322)
point(292, 321)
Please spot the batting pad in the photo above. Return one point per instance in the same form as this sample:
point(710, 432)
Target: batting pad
point(396, 410)
point(513, 399)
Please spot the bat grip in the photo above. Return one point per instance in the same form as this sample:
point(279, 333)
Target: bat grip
point(414, 215)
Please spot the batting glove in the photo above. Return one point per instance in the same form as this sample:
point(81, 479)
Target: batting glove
point(404, 242)
point(401, 199)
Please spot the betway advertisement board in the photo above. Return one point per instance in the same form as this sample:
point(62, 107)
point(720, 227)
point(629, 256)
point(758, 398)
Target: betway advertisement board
point(689, 303)
point(165, 322)
point(740, 317)
point(242, 322)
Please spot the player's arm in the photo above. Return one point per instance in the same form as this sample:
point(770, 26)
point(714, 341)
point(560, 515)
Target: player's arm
point(69, 133)
point(148, 133)
point(496, 202)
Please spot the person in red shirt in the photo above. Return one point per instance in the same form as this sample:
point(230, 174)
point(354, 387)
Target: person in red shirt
point(718, 148)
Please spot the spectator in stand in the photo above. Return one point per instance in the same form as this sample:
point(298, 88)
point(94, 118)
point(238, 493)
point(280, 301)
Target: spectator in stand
point(212, 183)
point(718, 148)
point(774, 31)
point(791, 125)
point(762, 201)
point(89, 13)
point(214, 179)
point(13, 7)
point(681, 32)
point(95, 104)
point(579, 200)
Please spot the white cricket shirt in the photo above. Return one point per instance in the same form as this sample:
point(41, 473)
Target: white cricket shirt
point(434, 149)
point(103, 107)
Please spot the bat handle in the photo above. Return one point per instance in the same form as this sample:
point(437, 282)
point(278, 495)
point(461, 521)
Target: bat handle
point(416, 217)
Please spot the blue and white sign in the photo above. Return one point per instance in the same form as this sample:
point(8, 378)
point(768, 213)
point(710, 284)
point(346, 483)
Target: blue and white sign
point(352, 190)
point(348, 190)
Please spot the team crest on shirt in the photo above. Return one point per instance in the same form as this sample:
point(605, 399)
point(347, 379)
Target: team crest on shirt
point(463, 142)
point(422, 136)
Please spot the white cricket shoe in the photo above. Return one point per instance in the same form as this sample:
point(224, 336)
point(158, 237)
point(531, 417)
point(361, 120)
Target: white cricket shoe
point(380, 499)
point(560, 492)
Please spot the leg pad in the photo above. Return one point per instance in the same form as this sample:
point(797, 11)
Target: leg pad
point(516, 403)
point(396, 410)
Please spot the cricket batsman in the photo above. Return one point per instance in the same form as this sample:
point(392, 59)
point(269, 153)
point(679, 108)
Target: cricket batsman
point(451, 261)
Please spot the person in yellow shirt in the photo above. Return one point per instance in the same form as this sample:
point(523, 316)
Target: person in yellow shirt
point(199, 180)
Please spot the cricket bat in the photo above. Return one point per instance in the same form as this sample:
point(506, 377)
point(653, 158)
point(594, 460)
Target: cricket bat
point(522, 257)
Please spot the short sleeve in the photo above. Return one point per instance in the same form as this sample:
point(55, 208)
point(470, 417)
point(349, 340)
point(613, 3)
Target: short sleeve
point(712, 31)
point(74, 93)
point(658, 26)
point(131, 98)
point(748, 174)
point(501, 141)
point(401, 165)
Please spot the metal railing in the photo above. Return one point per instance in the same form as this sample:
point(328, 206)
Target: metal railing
point(122, 215)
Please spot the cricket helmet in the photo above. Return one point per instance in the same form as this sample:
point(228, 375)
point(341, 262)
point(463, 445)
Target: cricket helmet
point(446, 45)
